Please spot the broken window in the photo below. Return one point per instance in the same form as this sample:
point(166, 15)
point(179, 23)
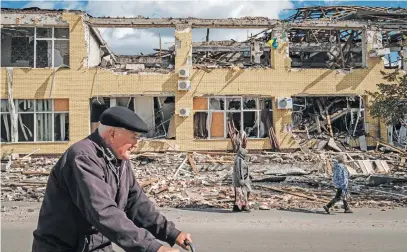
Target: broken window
point(157, 112)
point(212, 48)
point(392, 49)
point(320, 48)
point(140, 50)
point(213, 119)
point(397, 134)
point(5, 122)
point(34, 47)
point(17, 47)
point(200, 125)
point(36, 120)
point(333, 115)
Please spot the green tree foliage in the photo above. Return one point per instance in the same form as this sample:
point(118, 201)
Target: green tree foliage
point(390, 101)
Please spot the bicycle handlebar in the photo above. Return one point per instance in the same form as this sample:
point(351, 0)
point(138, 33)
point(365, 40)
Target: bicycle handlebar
point(187, 243)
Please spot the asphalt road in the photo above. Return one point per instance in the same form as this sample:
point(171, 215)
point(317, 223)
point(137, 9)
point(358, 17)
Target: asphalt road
point(275, 230)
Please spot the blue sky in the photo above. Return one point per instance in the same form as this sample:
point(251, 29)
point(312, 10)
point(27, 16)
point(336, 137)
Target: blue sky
point(133, 41)
point(83, 4)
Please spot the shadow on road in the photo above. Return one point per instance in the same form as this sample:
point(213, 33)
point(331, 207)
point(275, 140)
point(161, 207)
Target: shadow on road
point(299, 210)
point(208, 210)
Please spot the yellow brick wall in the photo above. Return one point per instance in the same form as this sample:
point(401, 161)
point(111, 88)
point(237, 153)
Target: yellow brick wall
point(79, 84)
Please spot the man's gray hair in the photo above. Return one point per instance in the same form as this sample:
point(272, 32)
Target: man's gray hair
point(104, 128)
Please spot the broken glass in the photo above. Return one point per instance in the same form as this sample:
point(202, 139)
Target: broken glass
point(17, 47)
point(25, 127)
point(5, 127)
point(44, 127)
point(61, 127)
point(250, 123)
point(44, 33)
point(25, 106)
point(62, 33)
point(44, 105)
point(127, 102)
point(235, 119)
point(61, 53)
point(249, 103)
point(216, 104)
point(233, 103)
point(266, 103)
point(4, 106)
point(44, 53)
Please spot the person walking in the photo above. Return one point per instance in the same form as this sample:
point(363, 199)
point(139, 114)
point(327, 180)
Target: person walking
point(340, 180)
point(241, 177)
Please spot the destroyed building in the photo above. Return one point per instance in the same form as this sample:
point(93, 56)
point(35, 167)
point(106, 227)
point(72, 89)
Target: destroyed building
point(300, 79)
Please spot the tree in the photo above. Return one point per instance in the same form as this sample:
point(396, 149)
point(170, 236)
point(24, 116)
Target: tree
point(390, 101)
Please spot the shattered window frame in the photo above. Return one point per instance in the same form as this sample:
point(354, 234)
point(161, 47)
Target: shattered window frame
point(157, 114)
point(307, 109)
point(35, 112)
point(53, 41)
point(227, 111)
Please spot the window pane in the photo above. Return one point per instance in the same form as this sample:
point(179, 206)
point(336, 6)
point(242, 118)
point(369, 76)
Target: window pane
point(216, 104)
point(266, 103)
point(200, 103)
point(234, 119)
point(17, 47)
point(200, 125)
point(25, 127)
point(233, 103)
point(4, 106)
point(125, 102)
point(249, 103)
point(61, 53)
point(61, 33)
point(44, 105)
point(44, 53)
point(250, 124)
point(5, 127)
point(44, 127)
point(44, 33)
point(217, 124)
point(61, 127)
point(25, 106)
point(61, 105)
point(266, 122)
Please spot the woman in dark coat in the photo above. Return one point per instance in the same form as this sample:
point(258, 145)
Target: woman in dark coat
point(241, 179)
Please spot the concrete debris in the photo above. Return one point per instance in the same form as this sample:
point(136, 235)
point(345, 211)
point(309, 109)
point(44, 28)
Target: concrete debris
point(281, 180)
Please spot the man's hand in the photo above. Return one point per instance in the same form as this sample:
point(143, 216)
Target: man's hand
point(167, 249)
point(182, 237)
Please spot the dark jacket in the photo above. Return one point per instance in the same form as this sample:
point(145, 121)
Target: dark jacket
point(93, 199)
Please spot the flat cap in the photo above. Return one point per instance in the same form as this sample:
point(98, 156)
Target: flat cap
point(123, 117)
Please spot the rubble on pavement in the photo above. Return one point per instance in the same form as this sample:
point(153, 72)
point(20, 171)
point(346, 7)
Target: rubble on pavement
point(202, 180)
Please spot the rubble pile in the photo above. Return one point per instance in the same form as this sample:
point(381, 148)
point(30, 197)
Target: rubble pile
point(202, 180)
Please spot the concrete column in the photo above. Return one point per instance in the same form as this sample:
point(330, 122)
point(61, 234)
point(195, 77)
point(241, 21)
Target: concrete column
point(184, 99)
point(364, 48)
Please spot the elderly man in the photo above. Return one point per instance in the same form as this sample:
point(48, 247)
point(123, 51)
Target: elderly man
point(340, 180)
point(92, 198)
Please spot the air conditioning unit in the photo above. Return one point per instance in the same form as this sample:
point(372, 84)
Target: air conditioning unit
point(183, 72)
point(285, 103)
point(184, 85)
point(184, 112)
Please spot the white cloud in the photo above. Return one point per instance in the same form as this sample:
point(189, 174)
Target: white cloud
point(129, 41)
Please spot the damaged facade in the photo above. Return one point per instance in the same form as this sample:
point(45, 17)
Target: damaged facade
point(305, 76)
